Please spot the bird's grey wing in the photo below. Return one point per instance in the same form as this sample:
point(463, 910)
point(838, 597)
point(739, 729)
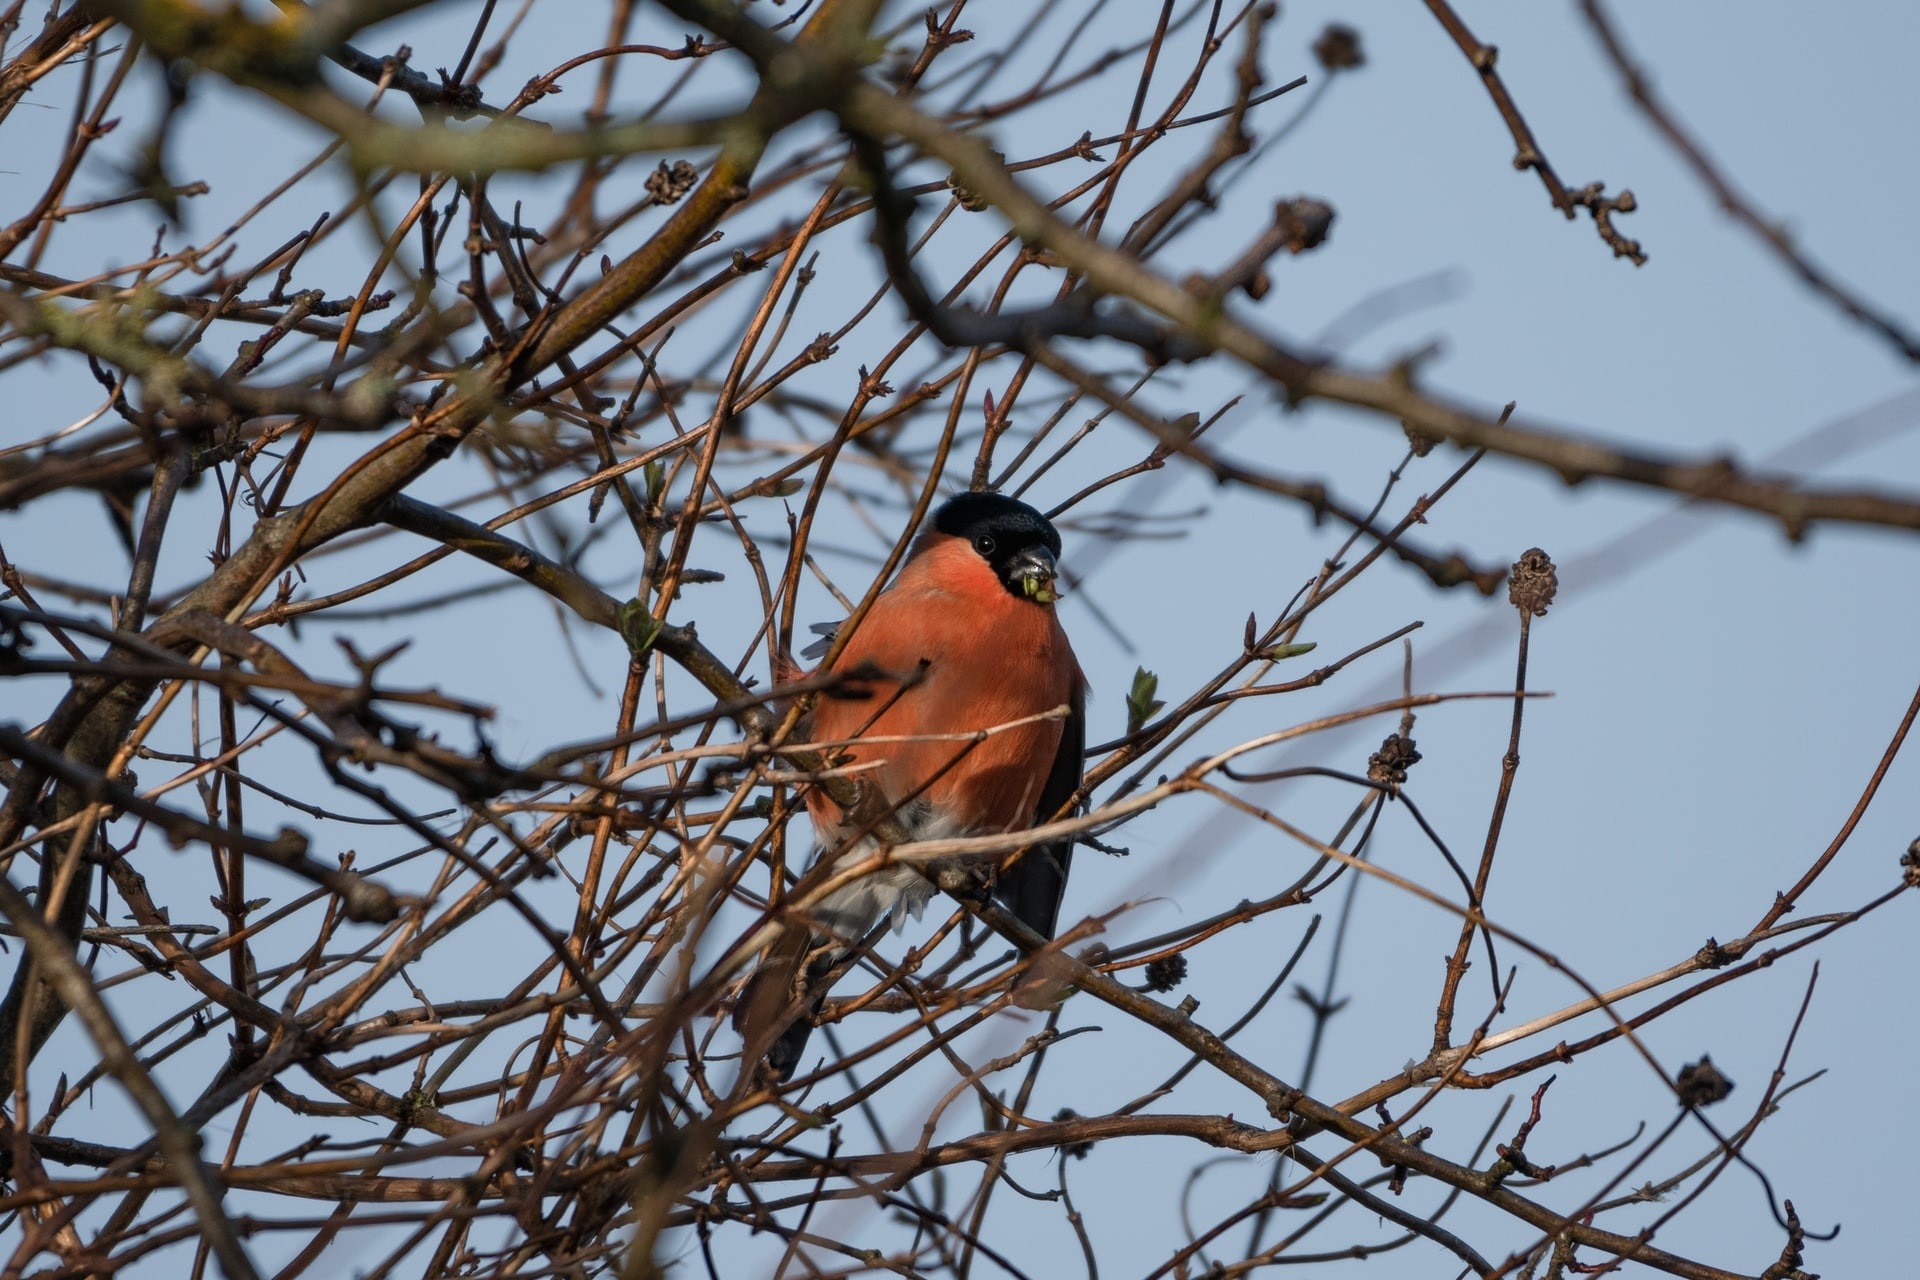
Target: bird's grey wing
point(826, 631)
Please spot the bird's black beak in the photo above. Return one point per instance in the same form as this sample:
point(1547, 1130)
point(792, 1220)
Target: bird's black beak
point(1035, 573)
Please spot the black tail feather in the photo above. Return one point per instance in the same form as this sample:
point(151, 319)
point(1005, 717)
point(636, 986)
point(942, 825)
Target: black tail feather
point(779, 1004)
point(783, 1055)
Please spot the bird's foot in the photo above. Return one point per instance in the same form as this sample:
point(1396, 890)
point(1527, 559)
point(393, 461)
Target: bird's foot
point(970, 881)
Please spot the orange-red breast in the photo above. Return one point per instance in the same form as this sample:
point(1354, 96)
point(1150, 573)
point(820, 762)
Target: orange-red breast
point(971, 626)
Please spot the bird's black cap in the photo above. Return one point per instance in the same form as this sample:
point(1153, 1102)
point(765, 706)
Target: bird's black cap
point(1011, 523)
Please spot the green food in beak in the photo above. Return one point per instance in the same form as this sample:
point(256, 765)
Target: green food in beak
point(1034, 572)
point(1039, 587)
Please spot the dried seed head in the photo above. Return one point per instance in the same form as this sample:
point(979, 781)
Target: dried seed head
point(1419, 441)
point(1701, 1084)
point(1388, 766)
point(1712, 955)
point(667, 184)
point(1166, 973)
point(1304, 221)
point(1533, 582)
point(1078, 1150)
point(1338, 48)
point(966, 197)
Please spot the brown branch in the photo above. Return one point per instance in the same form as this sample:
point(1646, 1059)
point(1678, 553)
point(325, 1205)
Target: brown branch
point(1527, 153)
point(1732, 201)
point(56, 966)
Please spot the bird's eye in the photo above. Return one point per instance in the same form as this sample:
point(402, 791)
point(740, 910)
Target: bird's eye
point(984, 544)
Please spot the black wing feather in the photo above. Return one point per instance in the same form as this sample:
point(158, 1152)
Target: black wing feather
point(1033, 887)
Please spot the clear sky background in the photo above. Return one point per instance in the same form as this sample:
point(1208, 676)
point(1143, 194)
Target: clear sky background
point(1720, 696)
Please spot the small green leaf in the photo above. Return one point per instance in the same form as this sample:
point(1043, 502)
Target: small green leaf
point(638, 628)
point(656, 472)
point(1281, 652)
point(1141, 704)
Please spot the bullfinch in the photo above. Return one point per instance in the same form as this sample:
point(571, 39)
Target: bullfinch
point(971, 641)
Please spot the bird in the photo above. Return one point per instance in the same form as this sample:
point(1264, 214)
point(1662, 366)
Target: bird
point(970, 640)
